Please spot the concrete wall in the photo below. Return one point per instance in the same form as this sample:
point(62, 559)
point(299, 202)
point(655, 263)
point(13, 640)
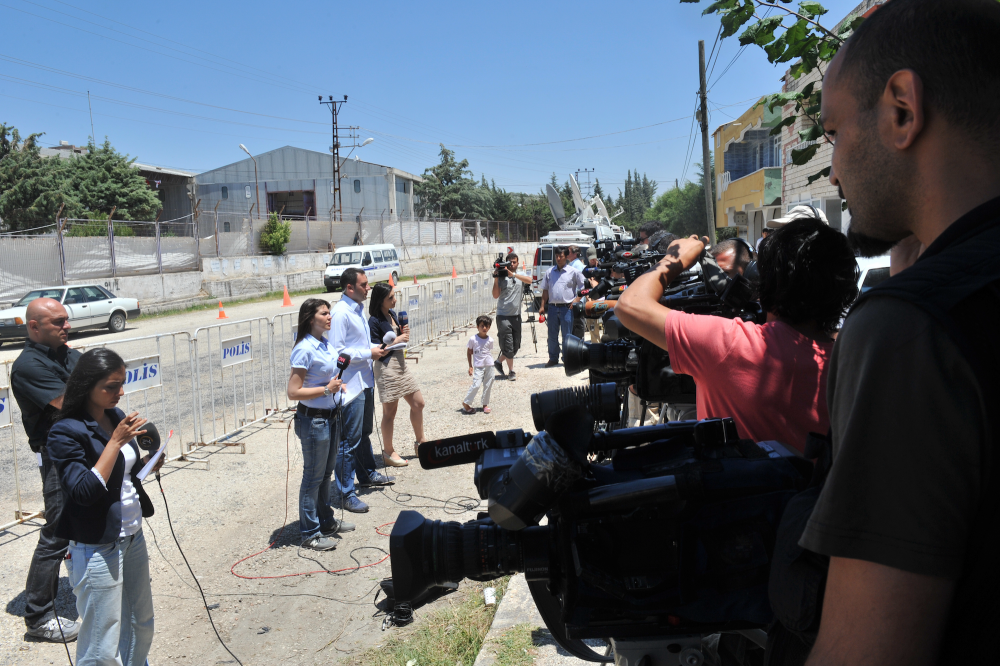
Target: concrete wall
point(242, 277)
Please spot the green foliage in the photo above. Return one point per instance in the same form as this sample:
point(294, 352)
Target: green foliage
point(275, 235)
point(104, 179)
point(89, 186)
point(682, 210)
point(792, 35)
point(450, 190)
point(725, 233)
point(636, 200)
point(97, 227)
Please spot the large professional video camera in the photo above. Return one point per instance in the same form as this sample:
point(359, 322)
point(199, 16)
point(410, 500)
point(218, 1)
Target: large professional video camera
point(669, 541)
point(500, 266)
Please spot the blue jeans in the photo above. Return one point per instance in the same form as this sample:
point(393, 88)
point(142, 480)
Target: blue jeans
point(558, 318)
point(318, 437)
point(355, 453)
point(113, 597)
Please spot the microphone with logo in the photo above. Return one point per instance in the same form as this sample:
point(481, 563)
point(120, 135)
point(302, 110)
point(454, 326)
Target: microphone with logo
point(388, 339)
point(150, 442)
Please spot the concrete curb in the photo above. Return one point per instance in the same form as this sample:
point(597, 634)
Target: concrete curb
point(518, 608)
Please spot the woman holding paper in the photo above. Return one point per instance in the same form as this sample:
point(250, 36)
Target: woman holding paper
point(392, 378)
point(94, 450)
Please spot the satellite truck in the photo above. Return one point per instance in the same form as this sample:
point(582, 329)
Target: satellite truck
point(591, 222)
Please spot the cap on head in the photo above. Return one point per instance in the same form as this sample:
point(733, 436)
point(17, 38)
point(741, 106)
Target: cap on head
point(591, 253)
point(798, 213)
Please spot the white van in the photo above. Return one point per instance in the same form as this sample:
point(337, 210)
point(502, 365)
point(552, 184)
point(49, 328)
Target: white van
point(378, 262)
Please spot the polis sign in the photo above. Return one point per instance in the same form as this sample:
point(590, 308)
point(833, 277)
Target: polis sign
point(236, 350)
point(142, 373)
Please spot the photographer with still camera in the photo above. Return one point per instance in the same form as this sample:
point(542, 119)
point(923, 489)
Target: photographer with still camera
point(509, 292)
point(908, 516)
point(771, 378)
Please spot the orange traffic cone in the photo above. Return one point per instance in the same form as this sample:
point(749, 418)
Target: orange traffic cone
point(392, 283)
point(286, 302)
point(222, 312)
point(414, 279)
point(454, 273)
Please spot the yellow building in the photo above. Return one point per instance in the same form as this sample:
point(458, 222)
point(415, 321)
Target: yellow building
point(748, 172)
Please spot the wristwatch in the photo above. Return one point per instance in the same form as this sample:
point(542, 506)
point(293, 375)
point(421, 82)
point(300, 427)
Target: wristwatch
point(327, 392)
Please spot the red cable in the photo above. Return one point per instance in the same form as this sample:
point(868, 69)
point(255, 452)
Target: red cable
point(288, 464)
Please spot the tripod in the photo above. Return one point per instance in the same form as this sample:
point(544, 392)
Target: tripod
point(528, 300)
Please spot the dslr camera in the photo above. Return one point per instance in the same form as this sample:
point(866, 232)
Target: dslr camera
point(666, 541)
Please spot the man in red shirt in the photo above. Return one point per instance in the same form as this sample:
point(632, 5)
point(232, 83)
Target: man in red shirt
point(770, 378)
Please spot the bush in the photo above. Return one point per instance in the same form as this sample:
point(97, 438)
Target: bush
point(275, 235)
point(97, 228)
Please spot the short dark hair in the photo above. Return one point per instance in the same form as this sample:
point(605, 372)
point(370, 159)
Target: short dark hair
point(950, 45)
point(742, 257)
point(661, 240)
point(511, 256)
point(807, 272)
point(92, 367)
point(484, 319)
point(650, 228)
point(556, 251)
point(350, 277)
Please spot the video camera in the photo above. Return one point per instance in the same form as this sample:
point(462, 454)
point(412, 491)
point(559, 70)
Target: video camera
point(670, 540)
point(500, 266)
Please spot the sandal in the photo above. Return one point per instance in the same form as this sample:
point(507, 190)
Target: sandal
point(486, 410)
point(467, 410)
point(394, 462)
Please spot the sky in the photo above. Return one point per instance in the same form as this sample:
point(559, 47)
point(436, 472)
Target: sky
point(520, 89)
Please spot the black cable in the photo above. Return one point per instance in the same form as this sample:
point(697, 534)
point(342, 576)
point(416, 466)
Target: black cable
point(191, 571)
point(59, 624)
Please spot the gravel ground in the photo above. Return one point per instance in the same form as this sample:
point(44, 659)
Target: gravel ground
point(238, 503)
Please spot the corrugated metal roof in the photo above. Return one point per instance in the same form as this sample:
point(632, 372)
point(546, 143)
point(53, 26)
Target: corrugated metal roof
point(291, 163)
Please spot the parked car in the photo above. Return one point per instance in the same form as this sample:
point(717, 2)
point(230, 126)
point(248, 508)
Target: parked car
point(377, 261)
point(89, 306)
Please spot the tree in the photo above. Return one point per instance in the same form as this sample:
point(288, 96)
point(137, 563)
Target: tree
point(275, 235)
point(635, 200)
point(104, 179)
point(450, 188)
point(32, 187)
point(681, 210)
point(792, 35)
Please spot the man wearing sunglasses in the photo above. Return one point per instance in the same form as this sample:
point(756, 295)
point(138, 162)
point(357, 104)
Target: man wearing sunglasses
point(38, 381)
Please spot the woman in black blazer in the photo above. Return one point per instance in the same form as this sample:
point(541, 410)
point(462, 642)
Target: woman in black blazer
point(93, 447)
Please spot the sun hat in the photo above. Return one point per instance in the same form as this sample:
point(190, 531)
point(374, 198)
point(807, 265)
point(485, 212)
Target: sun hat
point(797, 213)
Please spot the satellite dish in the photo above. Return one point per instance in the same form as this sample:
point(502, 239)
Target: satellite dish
point(555, 205)
point(577, 197)
point(601, 209)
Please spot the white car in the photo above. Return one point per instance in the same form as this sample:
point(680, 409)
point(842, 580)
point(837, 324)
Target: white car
point(377, 261)
point(89, 306)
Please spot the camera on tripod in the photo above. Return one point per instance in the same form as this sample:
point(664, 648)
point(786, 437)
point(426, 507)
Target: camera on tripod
point(668, 541)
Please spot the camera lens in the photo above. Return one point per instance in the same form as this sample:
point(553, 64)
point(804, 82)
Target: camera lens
point(609, 357)
point(601, 400)
point(431, 552)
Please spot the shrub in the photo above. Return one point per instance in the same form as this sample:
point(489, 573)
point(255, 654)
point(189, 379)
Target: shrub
point(275, 235)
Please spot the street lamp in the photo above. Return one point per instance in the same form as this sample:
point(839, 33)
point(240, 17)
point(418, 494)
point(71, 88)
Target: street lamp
point(256, 184)
point(363, 144)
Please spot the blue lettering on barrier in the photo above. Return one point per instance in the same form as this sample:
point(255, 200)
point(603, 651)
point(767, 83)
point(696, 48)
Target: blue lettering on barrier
point(147, 371)
point(236, 350)
point(3, 405)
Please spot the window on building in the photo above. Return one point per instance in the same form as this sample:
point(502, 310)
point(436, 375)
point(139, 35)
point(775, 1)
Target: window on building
point(225, 192)
point(357, 185)
point(225, 227)
point(402, 186)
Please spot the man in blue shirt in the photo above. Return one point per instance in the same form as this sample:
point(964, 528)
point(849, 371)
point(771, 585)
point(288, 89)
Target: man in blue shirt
point(559, 288)
point(349, 334)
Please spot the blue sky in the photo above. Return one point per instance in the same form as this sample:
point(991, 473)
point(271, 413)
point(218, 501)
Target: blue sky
point(486, 79)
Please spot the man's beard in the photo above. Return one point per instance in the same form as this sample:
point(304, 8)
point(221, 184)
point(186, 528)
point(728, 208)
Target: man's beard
point(881, 187)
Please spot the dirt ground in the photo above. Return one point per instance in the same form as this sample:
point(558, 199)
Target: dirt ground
point(293, 606)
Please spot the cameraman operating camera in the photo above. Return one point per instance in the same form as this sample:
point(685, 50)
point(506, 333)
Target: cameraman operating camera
point(770, 378)
point(509, 293)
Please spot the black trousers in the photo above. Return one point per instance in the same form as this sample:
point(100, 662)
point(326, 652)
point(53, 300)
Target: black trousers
point(43, 574)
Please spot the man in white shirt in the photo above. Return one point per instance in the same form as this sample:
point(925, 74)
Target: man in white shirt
point(349, 334)
point(559, 288)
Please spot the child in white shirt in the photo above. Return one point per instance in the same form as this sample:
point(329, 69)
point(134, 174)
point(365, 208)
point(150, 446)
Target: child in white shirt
point(480, 355)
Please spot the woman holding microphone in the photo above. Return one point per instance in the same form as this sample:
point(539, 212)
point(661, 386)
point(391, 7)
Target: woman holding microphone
point(314, 384)
point(392, 378)
point(93, 447)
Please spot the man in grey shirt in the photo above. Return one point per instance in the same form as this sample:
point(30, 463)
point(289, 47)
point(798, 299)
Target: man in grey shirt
point(509, 293)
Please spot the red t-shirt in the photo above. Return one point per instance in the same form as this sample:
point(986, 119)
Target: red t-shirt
point(770, 378)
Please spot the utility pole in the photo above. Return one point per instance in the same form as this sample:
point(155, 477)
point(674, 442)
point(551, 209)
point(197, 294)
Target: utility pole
point(335, 149)
point(588, 172)
point(706, 158)
point(91, 118)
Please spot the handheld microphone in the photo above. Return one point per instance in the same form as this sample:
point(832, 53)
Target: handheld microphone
point(343, 361)
point(149, 440)
point(388, 339)
point(404, 319)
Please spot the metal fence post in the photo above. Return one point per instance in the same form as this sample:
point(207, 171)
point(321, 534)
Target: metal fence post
point(111, 241)
point(159, 253)
point(62, 250)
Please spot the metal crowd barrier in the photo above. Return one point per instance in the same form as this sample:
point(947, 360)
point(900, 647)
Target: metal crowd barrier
point(210, 384)
point(13, 439)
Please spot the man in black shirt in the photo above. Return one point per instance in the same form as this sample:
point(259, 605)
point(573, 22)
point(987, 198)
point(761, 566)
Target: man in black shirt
point(908, 514)
point(38, 381)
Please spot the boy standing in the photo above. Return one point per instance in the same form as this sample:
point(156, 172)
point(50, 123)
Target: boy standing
point(480, 355)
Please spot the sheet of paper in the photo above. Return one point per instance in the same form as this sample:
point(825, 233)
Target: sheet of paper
point(144, 472)
point(401, 345)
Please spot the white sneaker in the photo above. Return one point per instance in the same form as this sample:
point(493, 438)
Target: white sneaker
point(50, 630)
